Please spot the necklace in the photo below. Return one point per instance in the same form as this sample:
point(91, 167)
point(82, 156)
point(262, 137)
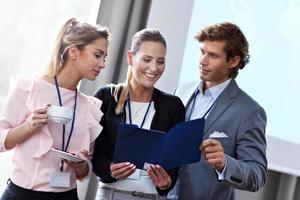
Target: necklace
point(137, 107)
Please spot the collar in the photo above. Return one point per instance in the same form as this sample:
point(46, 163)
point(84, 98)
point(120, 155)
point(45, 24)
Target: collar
point(214, 91)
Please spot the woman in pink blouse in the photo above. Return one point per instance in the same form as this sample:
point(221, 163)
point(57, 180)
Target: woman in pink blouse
point(25, 125)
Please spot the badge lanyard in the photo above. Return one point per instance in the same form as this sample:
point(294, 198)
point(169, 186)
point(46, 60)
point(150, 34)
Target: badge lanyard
point(144, 119)
point(193, 105)
point(64, 148)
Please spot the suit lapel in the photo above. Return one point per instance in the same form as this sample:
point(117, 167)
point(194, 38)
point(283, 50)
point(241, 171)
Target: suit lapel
point(223, 102)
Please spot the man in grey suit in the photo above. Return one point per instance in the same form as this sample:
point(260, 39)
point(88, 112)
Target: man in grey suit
point(234, 143)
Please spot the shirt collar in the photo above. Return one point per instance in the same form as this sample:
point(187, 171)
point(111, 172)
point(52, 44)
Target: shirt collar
point(214, 91)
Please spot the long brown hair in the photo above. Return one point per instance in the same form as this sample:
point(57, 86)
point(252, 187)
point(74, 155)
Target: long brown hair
point(145, 35)
point(72, 33)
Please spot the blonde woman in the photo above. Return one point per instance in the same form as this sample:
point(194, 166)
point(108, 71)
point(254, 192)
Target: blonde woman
point(138, 102)
point(38, 173)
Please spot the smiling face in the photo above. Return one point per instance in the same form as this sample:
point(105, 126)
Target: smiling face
point(213, 64)
point(91, 59)
point(147, 64)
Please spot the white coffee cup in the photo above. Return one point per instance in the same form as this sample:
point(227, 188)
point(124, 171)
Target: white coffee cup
point(60, 114)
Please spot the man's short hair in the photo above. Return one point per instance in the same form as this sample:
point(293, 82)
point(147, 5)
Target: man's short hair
point(236, 43)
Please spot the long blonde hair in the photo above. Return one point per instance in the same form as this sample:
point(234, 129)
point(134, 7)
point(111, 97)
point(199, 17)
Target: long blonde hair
point(145, 35)
point(73, 33)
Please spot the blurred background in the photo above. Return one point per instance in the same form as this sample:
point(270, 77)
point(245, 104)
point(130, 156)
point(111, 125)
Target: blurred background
point(28, 29)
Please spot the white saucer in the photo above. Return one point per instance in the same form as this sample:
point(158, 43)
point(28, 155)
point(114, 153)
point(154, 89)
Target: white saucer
point(67, 156)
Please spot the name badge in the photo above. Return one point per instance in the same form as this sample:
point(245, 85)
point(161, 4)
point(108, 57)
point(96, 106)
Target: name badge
point(60, 179)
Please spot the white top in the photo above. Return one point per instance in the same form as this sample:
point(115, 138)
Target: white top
point(138, 111)
point(139, 181)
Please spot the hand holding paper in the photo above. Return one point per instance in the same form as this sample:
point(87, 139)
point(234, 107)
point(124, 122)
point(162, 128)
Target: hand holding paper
point(159, 176)
point(122, 170)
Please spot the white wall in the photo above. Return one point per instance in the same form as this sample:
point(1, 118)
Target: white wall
point(172, 18)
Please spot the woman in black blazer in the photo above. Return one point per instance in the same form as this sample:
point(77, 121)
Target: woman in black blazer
point(137, 102)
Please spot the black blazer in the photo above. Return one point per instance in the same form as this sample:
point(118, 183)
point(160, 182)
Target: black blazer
point(169, 112)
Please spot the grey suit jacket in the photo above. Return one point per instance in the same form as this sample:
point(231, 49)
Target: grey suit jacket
point(243, 120)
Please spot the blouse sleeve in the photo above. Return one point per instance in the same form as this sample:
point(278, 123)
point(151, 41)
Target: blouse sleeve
point(14, 111)
point(94, 120)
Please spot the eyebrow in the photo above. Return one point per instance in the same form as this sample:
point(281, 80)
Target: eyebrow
point(152, 57)
point(101, 51)
point(211, 52)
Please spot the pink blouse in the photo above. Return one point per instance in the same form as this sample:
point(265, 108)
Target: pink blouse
point(33, 161)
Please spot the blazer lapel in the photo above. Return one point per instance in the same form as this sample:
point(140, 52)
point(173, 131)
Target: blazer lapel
point(223, 102)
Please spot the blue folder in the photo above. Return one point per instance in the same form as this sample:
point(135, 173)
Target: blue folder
point(177, 147)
